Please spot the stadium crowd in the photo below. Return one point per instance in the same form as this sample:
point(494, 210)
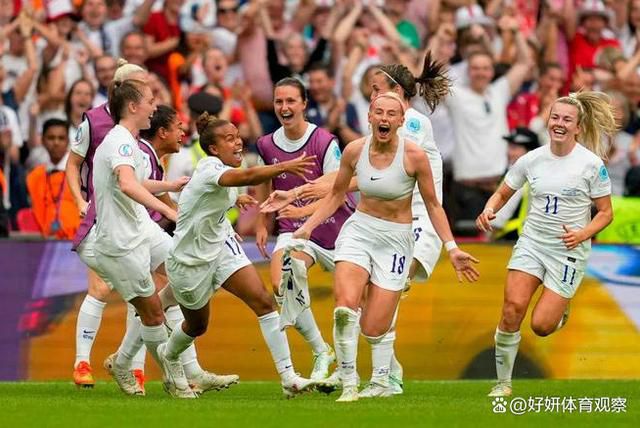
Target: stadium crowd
point(508, 60)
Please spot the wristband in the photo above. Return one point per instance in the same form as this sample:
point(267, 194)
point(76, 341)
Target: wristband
point(450, 245)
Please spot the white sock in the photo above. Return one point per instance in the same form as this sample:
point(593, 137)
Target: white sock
point(154, 336)
point(307, 327)
point(345, 339)
point(396, 367)
point(189, 356)
point(506, 351)
point(278, 345)
point(131, 343)
point(381, 356)
point(178, 342)
point(139, 358)
point(87, 326)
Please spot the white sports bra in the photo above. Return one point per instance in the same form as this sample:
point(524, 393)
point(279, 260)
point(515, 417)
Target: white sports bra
point(389, 184)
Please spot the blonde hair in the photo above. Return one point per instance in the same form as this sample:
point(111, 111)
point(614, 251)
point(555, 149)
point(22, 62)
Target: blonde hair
point(125, 70)
point(393, 96)
point(595, 118)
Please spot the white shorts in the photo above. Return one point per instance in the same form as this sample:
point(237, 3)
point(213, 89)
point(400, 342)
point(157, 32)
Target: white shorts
point(87, 250)
point(130, 274)
point(427, 247)
point(559, 273)
point(382, 247)
point(193, 286)
point(319, 255)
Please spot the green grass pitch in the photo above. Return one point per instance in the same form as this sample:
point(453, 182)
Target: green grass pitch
point(260, 404)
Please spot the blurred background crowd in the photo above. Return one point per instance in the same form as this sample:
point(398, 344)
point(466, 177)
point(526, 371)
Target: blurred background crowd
point(508, 60)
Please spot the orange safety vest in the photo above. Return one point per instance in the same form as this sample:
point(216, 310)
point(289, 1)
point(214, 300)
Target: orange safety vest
point(52, 203)
point(3, 184)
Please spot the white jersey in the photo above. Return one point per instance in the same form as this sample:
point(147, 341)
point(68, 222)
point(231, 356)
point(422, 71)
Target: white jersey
point(120, 220)
point(561, 192)
point(82, 139)
point(417, 128)
point(202, 222)
point(331, 163)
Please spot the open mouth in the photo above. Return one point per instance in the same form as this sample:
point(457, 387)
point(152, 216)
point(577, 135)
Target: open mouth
point(559, 131)
point(238, 155)
point(287, 116)
point(384, 130)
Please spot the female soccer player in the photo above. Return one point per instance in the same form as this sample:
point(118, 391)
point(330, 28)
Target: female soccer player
point(565, 177)
point(294, 137)
point(206, 254)
point(129, 245)
point(375, 245)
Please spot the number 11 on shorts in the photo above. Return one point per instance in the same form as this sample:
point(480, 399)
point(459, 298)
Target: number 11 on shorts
point(569, 272)
point(398, 264)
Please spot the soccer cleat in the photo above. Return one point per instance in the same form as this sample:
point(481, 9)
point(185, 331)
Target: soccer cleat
point(330, 384)
point(207, 381)
point(109, 362)
point(349, 393)
point(82, 376)
point(296, 385)
point(139, 375)
point(125, 379)
point(564, 319)
point(501, 389)
point(321, 363)
point(175, 382)
point(374, 389)
point(395, 385)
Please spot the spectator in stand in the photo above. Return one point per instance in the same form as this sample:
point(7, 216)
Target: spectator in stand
point(78, 100)
point(163, 36)
point(327, 110)
point(53, 205)
point(105, 67)
point(588, 32)
point(133, 48)
point(225, 35)
point(479, 117)
point(397, 12)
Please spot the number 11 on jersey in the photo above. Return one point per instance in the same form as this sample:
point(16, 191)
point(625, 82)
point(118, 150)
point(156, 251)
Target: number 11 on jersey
point(552, 205)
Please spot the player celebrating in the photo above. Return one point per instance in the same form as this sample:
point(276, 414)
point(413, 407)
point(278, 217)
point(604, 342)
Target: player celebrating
point(129, 245)
point(296, 136)
point(206, 254)
point(376, 243)
point(564, 177)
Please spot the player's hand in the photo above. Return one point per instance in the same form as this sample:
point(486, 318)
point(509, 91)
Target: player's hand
point(172, 215)
point(483, 222)
point(290, 211)
point(245, 201)
point(261, 241)
point(277, 200)
point(300, 166)
point(83, 207)
point(315, 189)
point(463, 264)
point(178, 184)
point(572, 238)
point(302, 233)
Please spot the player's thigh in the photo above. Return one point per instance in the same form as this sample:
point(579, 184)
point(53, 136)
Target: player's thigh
point(379, 310)
point(129, 274)
point(350, 281)
point(246, 284)
point(548, 312)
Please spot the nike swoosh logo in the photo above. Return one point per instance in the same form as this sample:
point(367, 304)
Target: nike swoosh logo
point(375, 178)
point(88, 331)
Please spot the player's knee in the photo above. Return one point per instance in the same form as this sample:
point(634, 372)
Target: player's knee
point(99, 291)
point(372, 335)
point(196, 328)
point(542, 328)
point(263, 304)
point(512, 314)
point(151, 318)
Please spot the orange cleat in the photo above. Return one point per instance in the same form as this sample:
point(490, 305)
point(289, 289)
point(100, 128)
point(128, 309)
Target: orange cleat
point(139, 375)
point(82, 376)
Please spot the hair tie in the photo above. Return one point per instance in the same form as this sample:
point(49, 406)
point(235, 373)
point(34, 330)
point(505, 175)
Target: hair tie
point(389, 76)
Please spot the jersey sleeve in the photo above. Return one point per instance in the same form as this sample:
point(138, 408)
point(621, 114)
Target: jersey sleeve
point(214, 170)
point(332, 158)
point(517, 174)
point(121, 153)
point(80, 143)
point(599, 181)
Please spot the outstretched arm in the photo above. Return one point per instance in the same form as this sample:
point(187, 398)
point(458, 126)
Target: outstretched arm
point(259, 174)
point(136, 191)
